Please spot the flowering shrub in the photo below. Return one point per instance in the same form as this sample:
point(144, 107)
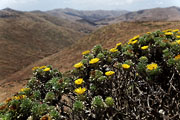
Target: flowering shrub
point(136, 80)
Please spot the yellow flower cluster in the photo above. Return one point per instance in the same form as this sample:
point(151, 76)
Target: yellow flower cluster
point(80, 90)
point(19, 97)
point(94, 60)
point(85, 52)
point(78, 65)
point(15, 98)
point(113, 50)
point(79, 81)
point(42, 67)
point(109, 73)
point(152, 66)
point(144, 47)
point(126, 66)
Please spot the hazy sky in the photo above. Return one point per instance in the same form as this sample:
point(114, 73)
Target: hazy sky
point(87, 4)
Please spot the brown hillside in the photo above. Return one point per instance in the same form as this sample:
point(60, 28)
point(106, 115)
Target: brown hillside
point(27, 37)
point(107, 36)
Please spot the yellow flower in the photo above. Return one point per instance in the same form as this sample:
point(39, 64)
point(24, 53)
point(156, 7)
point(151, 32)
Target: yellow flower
point(178, 37)
point(137, 74)
point(42, 67)
point(177, 57)
point(168, 33)
point(168, 30)
point(23, 96)
point(144, 47)
point(93, 61)
point(17, 97)
point(113, 50)
point(164, 31)
point(178, 41)
point(132, 42)
point(176, 30)
point(78, 65)
point(135, 41)
point(80, 90)
point(79, 81)
point(152, 66)
point(126, 66)
point(136, 37)
point(46, 69)
point(85, 52)
point(34, 68)
point(109, 73)
point(24, 89)
point(118, 44)
point(148, 32)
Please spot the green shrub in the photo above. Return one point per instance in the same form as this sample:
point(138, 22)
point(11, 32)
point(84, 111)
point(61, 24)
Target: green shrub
point(136, 80)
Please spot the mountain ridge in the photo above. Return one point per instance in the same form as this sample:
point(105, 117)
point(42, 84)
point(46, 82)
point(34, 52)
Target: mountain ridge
point(155, 14)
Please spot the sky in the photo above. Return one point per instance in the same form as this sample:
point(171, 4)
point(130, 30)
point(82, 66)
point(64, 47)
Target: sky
point(44, 5)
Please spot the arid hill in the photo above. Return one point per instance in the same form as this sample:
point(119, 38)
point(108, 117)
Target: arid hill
point(26, 37)
point(65, 59)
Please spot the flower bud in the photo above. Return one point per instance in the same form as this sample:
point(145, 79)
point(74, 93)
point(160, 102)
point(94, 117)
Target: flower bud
point(109, 101)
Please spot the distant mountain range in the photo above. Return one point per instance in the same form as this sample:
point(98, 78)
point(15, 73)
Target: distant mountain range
point(155, 14)
point(92, 17)
point(102, 17)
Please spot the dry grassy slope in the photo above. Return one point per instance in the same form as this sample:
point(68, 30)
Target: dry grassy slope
point(107, 36)
point(28, 37)
point(61, 21)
